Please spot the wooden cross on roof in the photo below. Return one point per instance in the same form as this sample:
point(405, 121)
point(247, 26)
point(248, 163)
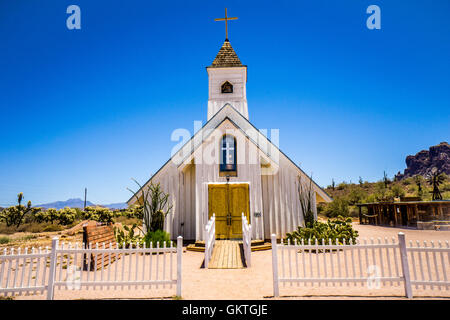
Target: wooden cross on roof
point(226, 22)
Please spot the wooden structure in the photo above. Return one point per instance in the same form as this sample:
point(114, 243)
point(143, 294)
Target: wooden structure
point(98, 236)
point(404, 213)
point(226, 255)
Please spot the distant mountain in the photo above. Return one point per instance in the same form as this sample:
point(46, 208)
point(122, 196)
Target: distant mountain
point(120, 205)
point(78, 203)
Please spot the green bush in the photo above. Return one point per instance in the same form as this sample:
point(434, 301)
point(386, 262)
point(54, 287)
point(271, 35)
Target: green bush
point(335, 229)
point(4, 240)
point(356, 195)
point(397, 191)
point(155, 237)
point(339, 207)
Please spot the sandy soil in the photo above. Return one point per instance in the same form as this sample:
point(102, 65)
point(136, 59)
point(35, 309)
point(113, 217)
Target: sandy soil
point(256, 282)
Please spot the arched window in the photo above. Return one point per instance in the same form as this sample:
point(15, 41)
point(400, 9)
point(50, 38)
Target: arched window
point(228, 154)
point(227, 87)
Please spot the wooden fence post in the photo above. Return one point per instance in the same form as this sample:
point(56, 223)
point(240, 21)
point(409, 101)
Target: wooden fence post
point(52, 271)
point(276, 292)
point(179, 264)
point(405, 266)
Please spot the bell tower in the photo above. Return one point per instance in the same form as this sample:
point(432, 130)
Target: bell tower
point(227, 78)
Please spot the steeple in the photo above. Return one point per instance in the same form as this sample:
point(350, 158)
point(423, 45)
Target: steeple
point(227, 79)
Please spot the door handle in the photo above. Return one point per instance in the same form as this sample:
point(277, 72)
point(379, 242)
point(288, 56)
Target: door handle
point(229, 219)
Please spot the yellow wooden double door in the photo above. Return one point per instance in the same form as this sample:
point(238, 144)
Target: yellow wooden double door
point(227, 202)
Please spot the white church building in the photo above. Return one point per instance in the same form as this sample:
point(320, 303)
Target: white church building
point(229, 167)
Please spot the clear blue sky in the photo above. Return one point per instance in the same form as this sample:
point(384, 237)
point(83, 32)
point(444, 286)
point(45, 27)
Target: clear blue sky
point(95, 107)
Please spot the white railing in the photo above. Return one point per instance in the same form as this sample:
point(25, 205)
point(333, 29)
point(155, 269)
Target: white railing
point(209, 235)
point(246, 240)
point(75, 266)
point(375, 263)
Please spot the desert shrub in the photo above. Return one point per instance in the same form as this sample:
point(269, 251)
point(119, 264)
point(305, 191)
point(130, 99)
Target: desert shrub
point(66, 216)
point(445, 187)
point(341, 186)
point(39, 216)
point(32, 227)
point(15, 215)
point(98, 214)
point(124, 220)
point(397, 191)
point(407, 182)
point(127, 236)
point(78, 214)
point(4, 240)
point(339, 207)
point(136, 211)
point(154, 237)
point(63, 217)
point(29, 237)
point(321, 208)
point(382, 192)
point(356, 195)
point(353, 211)
point(51, 215)
point(338, 229)
point(52, 228)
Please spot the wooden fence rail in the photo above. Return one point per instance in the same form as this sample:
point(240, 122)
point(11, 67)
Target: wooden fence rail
point(62, 267)
point(375, 263)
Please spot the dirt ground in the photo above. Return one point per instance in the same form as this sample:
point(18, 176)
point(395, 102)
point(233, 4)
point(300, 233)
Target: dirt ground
point(257, 283)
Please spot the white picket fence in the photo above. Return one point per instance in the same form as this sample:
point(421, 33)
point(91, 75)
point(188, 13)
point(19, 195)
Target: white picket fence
point(209, 235)
point(75, 266)
point(374, 264)
point(246, 240)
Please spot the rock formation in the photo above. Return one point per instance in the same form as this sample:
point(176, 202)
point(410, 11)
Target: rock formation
point(424, 161)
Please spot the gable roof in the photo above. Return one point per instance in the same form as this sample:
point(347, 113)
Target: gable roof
point(226, 57)
point(228, 112)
